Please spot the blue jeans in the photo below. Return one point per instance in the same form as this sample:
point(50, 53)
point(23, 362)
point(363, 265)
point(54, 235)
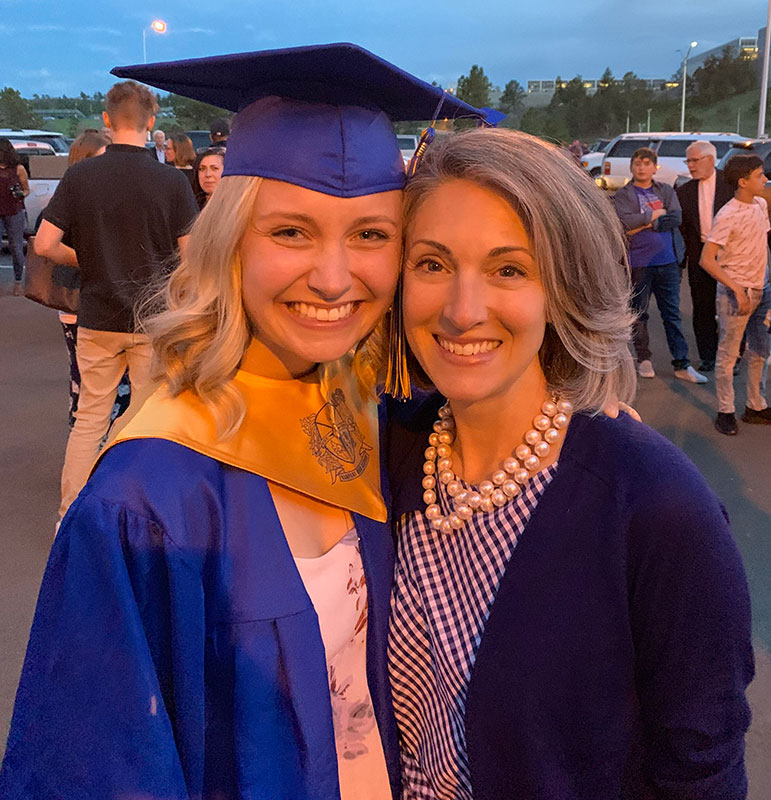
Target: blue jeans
point(14, 229)
point(664, 283)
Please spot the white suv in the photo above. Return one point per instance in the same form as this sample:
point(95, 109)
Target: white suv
point(670, 149)
point(55, 139)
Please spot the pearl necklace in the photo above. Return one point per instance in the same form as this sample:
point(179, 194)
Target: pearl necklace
point(503, 484)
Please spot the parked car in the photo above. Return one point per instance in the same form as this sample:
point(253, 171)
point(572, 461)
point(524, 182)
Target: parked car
point(670, 148)
point(755, 147)
point(55, 139)
point(408, 144)
point(599, 145)
point(592, 161)
point(45, 173)
point(25, 148)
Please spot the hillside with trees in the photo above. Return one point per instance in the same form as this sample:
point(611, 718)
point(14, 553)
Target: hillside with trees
point(722, 95)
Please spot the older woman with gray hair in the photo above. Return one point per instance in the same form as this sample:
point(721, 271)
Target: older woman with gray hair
point(570, 617)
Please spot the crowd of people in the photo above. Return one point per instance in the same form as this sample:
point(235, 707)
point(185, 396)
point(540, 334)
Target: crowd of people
point(278, 583)
point(106, 391)
point(716, 226)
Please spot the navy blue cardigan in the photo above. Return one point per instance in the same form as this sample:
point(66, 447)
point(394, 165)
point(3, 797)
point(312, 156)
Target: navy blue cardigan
point(616, 656)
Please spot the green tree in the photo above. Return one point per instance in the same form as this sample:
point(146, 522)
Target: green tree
point(512, 99)
point(547, 124)
point(193, 114)
point(15, 111)
point(474, 88)
point(722, 77)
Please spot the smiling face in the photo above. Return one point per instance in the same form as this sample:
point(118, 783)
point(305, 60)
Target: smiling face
point(318, 271)
point(474, 305)
point(210, 172)
point(159, 137)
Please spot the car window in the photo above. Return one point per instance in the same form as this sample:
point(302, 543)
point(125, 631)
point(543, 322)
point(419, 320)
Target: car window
point(406, 142)
point(767, 165)
point(673, 148)
point(722, 147)
point(57, 142)
point(624, 148)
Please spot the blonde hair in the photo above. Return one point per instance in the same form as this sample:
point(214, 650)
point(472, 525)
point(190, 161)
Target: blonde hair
point(578, 245)
point(197, 320)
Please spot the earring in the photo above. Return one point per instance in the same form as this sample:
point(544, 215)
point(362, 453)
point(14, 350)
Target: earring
point(397, 382)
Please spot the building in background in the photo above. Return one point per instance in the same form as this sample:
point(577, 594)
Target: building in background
point(540, 92)
point(746, 46)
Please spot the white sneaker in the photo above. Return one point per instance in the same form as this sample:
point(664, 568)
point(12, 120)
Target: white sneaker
point(690, 375)
point(645, 369)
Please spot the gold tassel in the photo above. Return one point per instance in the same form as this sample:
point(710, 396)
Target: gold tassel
point(397, 382)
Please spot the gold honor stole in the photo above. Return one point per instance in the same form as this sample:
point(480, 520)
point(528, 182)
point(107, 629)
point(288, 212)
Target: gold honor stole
point(315, 435)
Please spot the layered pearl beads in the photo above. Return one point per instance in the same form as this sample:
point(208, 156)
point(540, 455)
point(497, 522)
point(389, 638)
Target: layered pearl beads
point(503, 484)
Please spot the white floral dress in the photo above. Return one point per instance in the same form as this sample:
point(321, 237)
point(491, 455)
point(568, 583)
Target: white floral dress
point(337, 588)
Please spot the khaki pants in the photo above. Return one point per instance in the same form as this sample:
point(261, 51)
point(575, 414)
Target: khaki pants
point(732, 327)
point(102, 359)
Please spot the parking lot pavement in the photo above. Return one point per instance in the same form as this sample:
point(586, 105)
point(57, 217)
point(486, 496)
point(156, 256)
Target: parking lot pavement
point(33, 408)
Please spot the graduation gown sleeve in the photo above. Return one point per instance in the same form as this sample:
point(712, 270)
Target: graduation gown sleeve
point(174, 651)
point(91, 717)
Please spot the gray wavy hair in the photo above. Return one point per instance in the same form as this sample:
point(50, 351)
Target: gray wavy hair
point(578, 244)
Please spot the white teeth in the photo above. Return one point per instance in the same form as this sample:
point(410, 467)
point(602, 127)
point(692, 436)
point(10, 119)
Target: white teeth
point(322, 313)
point(469, 348)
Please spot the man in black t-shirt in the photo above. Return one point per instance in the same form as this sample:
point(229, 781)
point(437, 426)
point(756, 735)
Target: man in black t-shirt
point(123, 214)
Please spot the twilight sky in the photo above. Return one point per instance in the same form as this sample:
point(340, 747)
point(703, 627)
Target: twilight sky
point(69, 46)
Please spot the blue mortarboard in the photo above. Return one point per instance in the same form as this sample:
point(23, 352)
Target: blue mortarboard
point(314, 116)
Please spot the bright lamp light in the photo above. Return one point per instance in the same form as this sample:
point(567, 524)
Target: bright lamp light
point(158, 25)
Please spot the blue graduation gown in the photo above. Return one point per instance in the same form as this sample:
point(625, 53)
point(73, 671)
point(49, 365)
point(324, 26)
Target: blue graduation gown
point(175, 652)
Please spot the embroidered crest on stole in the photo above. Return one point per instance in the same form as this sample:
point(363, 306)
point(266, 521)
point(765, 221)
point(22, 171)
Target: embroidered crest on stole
point(335, 439)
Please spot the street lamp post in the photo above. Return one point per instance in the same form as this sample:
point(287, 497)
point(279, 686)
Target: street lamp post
point(764, 80)
point(685, 75)
point(157, 25)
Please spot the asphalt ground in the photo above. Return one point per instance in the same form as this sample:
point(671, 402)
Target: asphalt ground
point(33, 410)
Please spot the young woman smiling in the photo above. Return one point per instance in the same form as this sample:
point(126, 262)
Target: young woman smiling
point(213, 618)
point(570, 616)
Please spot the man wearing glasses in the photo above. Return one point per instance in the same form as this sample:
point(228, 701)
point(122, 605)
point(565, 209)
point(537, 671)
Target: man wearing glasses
point(700, 199)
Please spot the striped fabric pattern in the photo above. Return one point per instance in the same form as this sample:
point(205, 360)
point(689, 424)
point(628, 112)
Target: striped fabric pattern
point(444, 589)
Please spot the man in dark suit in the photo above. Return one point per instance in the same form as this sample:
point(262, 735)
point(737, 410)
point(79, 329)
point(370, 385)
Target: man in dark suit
point(701, 198)
point(159, 140)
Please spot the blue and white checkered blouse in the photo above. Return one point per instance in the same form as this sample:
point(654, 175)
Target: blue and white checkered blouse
point(445, 586)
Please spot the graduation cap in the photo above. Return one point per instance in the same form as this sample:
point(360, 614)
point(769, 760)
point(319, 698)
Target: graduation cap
point(313, 116)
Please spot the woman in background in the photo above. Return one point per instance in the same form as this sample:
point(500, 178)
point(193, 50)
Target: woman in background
point(570, 616)
point(14, 187)
point(208, 172)
point(180, 153)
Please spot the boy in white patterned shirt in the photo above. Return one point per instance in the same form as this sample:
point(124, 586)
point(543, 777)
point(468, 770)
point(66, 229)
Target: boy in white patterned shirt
point(736, 255)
